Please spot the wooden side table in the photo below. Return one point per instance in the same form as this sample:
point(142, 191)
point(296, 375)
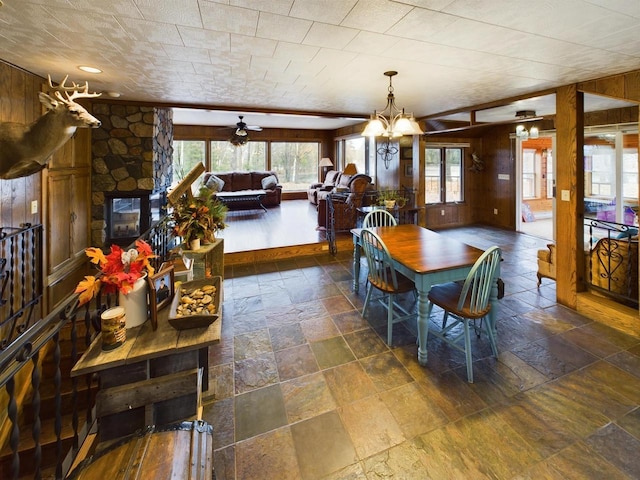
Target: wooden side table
point(208, 260)
point(144, 367)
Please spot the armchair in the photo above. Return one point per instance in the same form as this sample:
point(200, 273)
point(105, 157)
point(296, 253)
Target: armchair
point(547, 263)
point(330, 181)
point(345, 204)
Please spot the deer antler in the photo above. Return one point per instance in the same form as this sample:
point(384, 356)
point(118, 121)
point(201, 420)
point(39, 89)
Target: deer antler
point(79, 91)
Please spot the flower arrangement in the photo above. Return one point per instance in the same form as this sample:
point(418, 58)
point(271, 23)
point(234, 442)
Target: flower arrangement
point(198, 218)
point(119, 270)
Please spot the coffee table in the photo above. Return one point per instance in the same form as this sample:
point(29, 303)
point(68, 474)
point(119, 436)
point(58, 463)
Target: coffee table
point(231, 199)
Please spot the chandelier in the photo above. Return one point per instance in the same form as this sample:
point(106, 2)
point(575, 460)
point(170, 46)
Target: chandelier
point(396, 123)
point(521, 131)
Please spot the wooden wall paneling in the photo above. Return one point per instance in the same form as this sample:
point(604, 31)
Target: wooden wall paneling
point(6, 93)
point(19, 103)
point(489, 193)
point(632, 85)
point(569, 177)
point(623, 86)
point(611, 117)
point(58, 187)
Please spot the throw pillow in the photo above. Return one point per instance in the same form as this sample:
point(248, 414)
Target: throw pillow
point(214, 183)
point(270, 182)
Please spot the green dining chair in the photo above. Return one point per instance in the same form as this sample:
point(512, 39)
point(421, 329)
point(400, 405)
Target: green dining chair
point(386, 279)
point(379, 218)
point(467, 304)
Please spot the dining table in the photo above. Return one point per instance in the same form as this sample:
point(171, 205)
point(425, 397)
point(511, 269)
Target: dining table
point(428, 258)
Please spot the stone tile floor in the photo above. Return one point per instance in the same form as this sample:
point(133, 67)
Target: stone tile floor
point(301, 387)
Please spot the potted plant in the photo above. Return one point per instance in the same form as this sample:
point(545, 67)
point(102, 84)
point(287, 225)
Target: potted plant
point(390, 198)
point(198, 219)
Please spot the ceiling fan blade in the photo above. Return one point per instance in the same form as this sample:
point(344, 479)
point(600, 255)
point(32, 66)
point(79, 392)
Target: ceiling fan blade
point(254, 128)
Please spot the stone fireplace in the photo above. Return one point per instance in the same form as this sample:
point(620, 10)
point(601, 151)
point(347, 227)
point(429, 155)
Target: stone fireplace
point(131, 159)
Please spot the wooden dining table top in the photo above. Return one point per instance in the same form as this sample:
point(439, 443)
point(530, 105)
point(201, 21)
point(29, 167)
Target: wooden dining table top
point(422, 250)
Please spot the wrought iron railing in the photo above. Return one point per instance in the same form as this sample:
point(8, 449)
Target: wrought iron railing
point(30, 340)
point(612, 260)
point(343, 212)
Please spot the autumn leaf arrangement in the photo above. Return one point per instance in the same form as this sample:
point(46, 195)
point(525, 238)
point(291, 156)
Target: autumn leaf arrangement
point(198, 217)
point(119, 270)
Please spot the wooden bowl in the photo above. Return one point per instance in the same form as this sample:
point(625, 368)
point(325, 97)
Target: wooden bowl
point(198, 320)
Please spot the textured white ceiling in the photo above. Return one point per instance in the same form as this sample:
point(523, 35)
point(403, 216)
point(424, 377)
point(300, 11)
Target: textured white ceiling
point(324, 56)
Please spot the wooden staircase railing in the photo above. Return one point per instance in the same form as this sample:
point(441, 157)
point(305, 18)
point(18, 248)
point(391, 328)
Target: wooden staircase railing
point(45, 415)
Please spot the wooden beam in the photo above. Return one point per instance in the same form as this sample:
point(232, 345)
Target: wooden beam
point(570, 181)
point(146, 392)
point(485, 106)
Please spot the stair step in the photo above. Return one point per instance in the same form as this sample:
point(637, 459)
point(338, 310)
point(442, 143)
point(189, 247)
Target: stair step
point(47, 401)
point(26, 446)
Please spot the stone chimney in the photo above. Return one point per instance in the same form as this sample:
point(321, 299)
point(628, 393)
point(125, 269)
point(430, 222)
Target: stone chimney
point(132, 153)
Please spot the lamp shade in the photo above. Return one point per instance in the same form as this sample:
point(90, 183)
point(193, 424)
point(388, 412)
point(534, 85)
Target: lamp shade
point(350, 169)
point(325, 162)
point(374, 128)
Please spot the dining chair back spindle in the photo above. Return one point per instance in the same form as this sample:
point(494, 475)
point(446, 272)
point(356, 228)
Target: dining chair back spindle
point(379, 218)
point(383, 276)
point(467, 303)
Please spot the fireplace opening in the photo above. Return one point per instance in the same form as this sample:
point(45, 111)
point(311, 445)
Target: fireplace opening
point(130, 214)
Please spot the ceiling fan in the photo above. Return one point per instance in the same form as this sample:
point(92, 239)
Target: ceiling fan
point(241, 130)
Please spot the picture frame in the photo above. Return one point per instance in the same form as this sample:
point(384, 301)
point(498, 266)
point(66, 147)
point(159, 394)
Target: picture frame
point(408, 170)
point(161, 291)
point(407, 153)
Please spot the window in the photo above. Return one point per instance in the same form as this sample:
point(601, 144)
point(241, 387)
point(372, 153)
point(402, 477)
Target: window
point(186, 154)
point(295, 163)
point(611, 176)
point(443, 175)
point(630, 173)
point(226, 157)
point(549, 173)
point(529, 178)
point(354, 152)
point(600, 161)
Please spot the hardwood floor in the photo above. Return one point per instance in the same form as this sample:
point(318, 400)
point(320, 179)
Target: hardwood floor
point(287, 231)
point(292, 223)
point(302, 387)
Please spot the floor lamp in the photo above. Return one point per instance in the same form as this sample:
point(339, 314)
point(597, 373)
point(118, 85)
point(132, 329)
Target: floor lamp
point(325, 164)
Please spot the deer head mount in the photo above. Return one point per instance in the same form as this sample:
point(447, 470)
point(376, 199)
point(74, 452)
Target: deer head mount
point(25, 149)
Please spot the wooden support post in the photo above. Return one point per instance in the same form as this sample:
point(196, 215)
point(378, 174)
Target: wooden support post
point(569, 194)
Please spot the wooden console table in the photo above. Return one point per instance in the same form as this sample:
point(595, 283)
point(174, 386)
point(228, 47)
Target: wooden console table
point(143, 374)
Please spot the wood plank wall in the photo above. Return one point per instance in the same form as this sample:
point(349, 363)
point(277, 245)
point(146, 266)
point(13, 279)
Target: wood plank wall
point(19, 103)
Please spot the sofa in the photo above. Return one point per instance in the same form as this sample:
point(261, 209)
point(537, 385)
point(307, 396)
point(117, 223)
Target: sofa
point(346, 200)
point(238, 181)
